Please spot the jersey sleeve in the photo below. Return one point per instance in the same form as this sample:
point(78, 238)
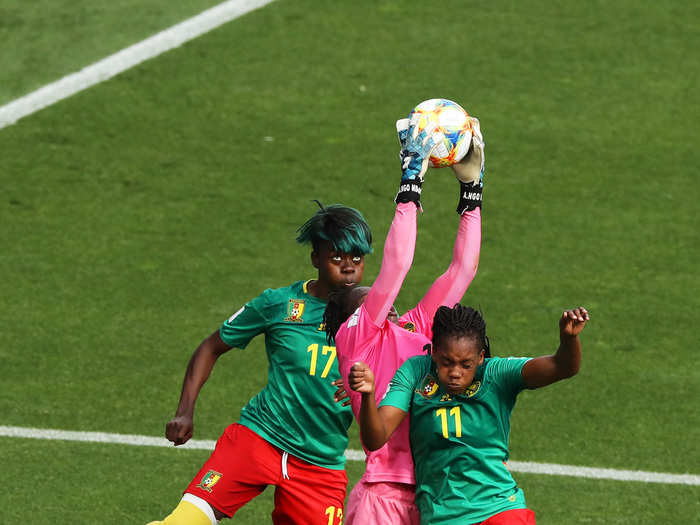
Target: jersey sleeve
point(400, 390)
point(396, 261)
point(238, 330)
point(353, 340)
point(508, 373)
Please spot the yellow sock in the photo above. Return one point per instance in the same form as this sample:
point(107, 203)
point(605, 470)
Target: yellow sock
point(185, 513)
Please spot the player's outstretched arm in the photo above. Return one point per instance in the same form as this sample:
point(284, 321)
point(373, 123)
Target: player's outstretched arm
point(180, 429)
point(401, 240)
point(565, 363)
point(449, 288)
point(399, 248)
point(376, 424)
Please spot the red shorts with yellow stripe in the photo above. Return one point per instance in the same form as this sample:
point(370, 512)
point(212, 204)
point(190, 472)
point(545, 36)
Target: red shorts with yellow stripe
point(243, 464)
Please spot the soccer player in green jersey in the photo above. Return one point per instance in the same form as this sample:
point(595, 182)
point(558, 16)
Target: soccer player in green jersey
point(460, 399)
point(292, 434)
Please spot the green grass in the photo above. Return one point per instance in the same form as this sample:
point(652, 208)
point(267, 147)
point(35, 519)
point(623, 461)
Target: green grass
point(145, 482)
point(44, 40)
point(139, 214)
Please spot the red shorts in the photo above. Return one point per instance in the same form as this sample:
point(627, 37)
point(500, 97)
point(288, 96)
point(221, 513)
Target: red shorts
point(511, 517)
point(243, 464)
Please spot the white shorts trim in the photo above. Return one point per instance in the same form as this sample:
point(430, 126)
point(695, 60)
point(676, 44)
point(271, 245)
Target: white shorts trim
point(201, 505)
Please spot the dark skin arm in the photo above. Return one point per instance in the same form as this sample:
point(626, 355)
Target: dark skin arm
point(376, 424)
point(565, 363)
point(180, 429)
point(340, 392)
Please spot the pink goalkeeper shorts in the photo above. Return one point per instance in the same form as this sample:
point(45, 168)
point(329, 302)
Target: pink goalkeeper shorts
point(382, 503)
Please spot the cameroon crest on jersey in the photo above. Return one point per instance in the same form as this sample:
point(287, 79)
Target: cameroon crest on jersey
point(429, 387)
point(472, 389)
point(210, 479)
point(295, 309)
point(408, 325)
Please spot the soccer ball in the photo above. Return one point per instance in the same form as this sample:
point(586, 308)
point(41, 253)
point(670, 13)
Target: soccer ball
point(453, 121)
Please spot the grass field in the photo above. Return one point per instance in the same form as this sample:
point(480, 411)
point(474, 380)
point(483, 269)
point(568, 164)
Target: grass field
point(137, 215)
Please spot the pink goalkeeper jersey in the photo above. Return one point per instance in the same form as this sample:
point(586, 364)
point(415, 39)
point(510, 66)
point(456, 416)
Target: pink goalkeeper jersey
point(369, 337)
point(384, 349)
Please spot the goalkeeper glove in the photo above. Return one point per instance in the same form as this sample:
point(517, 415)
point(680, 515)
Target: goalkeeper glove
point(416, 148)
point(470, 172)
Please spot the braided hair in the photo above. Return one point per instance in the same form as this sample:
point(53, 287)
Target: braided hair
point(460, 321)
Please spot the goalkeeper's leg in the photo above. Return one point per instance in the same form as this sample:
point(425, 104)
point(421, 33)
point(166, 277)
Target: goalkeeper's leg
point(190, 511)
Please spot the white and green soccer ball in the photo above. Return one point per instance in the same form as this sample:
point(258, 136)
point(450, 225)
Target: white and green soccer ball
point(453, 121)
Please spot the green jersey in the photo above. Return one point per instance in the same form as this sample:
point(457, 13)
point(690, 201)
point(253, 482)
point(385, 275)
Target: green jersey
point(295, 411)
point(460, 442)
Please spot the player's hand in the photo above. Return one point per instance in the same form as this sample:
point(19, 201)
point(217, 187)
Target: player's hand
point(416, 147)
point(361, 378)
point(340, 393)
point(572, 322)
point(179, 430)
point(470, 171)
point(402, 132)
point(471, 167)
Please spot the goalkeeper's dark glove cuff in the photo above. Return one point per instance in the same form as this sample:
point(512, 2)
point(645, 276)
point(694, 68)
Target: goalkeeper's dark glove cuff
point(409, 192)
point(469, 196)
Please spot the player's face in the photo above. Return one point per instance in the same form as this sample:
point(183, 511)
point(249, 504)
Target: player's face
point(337, 269)
point(393, 316)
point(456, 361)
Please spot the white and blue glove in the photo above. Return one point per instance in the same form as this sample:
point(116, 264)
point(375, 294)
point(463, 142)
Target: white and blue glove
point(416, 147)
point(470, 172)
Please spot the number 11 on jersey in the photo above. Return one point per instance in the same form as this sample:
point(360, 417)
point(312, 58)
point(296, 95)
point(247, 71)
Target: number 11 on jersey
point(455, 412)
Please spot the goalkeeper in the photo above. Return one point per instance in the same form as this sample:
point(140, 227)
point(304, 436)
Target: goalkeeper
point(292, 434)
point(366, 326)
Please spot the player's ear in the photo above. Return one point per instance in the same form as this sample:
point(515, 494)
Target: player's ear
point(314, 259)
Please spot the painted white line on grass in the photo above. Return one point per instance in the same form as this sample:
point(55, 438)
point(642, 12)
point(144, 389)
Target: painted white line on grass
point(101, 437)
point(353, 455)
point(603, 473)
point(126, 58)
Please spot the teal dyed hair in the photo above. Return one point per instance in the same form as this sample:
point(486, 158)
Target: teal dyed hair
point(344, 227)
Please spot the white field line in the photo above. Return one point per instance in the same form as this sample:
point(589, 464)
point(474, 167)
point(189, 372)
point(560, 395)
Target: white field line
point(126, 58)
point(354, 455)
